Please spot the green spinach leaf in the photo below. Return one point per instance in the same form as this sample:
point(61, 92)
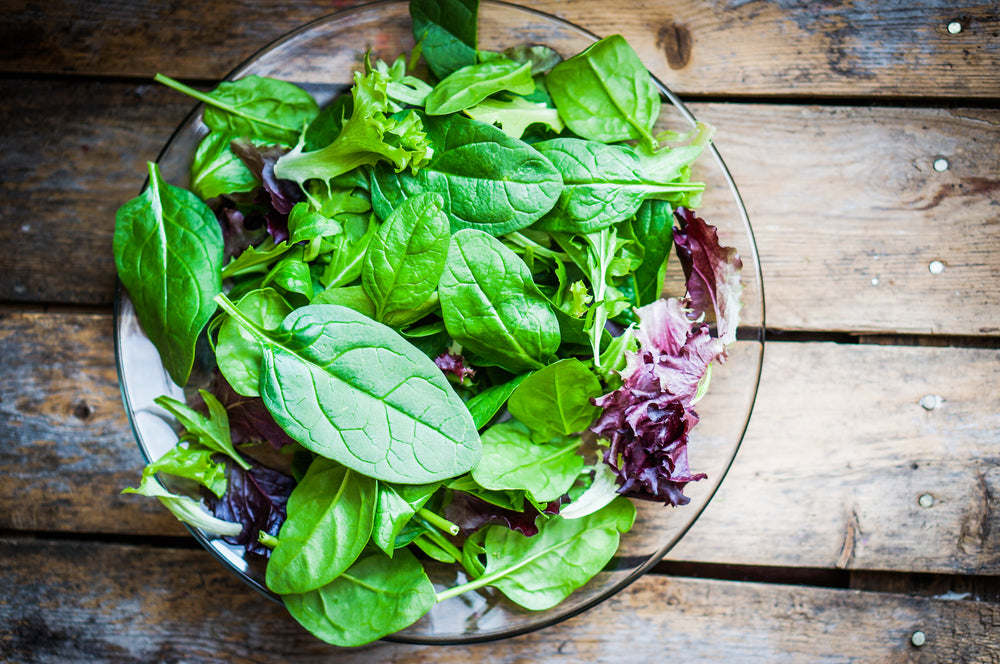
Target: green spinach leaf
point(405, 259)
point(351, 389)
point(397, 503)
point(488, 403)
point(489, 181)
point(446, 31)
point(511, 460)
point(168, 252)
point(330, 517)
point(237, 350)
point(254, 106)
point(473, 83)
point(539, 572)
point(375, 597)
point(216, 169)
point(605, 93)
point(555, 401)
point(491, 306)
point(193, 462)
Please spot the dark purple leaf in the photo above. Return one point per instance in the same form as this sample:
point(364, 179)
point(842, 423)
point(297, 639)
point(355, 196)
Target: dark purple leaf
point(238, 231)
point(276, 196)
point(712, 272)
point(455, 364)
point(470, 514)
point(255, 498)
point(249, 419)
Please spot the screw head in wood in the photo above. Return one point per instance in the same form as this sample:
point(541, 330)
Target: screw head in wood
point(926, 500)
point(954, 27)
point(936, 267)
point(940, 164)
point(918, 638)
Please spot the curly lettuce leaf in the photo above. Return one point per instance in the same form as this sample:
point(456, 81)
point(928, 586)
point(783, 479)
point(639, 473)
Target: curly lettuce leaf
point(372, 134)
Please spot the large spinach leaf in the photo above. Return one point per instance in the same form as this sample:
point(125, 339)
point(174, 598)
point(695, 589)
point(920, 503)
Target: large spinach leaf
point(168, 251)
point(446, 31)
point(512, 460)
point(605, 93)
point(352, 389)
point(471, 84)
point(257, 106)
point(539, 572)
point(405, 259)
point(602, 185)
point(489, 181)
point(492, 307)
point(330, 517)
point(375, 597)
point(555, 401)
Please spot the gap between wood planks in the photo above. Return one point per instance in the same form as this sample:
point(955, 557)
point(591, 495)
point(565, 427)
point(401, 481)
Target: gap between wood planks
point(899, 101)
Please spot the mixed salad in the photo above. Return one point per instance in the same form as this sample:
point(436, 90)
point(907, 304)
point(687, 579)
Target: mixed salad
point(438, 299)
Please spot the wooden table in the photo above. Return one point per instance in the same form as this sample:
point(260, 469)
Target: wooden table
point(861, 520)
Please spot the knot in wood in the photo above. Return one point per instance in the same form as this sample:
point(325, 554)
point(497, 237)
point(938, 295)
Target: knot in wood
point(674, 39)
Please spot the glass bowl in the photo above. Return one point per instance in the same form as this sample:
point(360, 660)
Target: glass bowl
point(321, 57)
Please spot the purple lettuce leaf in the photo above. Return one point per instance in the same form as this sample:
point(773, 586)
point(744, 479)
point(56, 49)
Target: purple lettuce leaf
point(276, 197)
point(454, 364)
point(647, 420)
point(712, 272)
point(255, 498)
point(238, 230)
point(470, 514)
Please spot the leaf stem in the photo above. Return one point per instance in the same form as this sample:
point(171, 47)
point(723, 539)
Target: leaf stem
point(438, 521)
point(240, 317)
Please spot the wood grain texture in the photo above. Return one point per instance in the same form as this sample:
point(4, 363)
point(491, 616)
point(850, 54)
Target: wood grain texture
point(112, 603)
point(696, 46)
point(830, 473)
point(849, 253)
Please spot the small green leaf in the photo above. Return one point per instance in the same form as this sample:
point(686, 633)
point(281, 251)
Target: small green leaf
point(330, 517)
point(556, 400)
point(211, 431)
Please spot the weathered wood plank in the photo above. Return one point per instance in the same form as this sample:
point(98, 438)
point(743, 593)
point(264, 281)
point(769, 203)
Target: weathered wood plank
point(874, 216)
point(734, 47)
point(111, 603)
point(830, 474)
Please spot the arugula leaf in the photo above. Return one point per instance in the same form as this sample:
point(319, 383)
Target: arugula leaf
point(539, 572)
point(168, 252)
point(446, 31)
point(376, 596)
point(605, 93)
point(555, 401)
point(330, 517)
point(492, 307)
point(473, 83)
point(258, 106)
point(186, 509)
point(405, 259)
point(351, 389)
point(211, 431)
point(193, 462)
point(512, 460)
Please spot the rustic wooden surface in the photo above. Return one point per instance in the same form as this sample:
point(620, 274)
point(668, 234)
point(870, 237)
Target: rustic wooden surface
point(854, 515)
